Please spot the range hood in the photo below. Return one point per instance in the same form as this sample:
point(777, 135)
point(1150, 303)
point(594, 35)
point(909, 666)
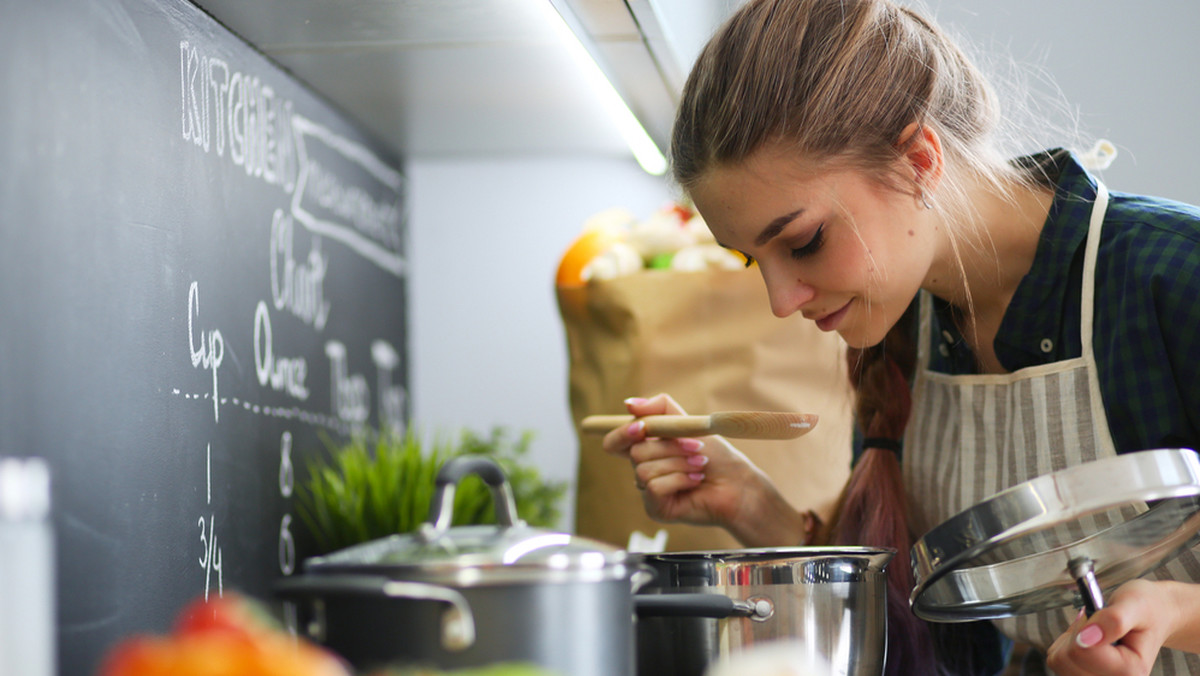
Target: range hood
point(445, 78)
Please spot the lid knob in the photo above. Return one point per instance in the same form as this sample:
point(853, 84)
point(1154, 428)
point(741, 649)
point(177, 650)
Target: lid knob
point(441, 508)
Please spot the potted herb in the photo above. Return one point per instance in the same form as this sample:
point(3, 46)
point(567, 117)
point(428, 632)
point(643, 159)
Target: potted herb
point(367, 489)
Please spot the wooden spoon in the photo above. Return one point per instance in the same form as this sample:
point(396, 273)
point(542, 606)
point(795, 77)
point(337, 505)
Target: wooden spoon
point(733, 424)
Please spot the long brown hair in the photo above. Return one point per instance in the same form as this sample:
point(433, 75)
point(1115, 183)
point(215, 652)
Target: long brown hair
point(837, 82)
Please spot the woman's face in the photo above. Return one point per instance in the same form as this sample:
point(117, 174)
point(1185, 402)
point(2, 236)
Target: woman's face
point(841, 249)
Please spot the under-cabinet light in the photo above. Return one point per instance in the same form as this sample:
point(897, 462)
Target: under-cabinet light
point(645, 151)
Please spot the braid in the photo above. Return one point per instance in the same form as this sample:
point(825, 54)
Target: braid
point(873, 510)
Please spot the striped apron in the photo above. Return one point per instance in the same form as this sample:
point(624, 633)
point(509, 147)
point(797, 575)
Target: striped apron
point(972, 436)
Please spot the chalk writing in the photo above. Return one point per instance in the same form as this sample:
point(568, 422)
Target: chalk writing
point(391, 397)
point(298, 287)
point(211, 350)
point(287, 479)
point(345, 198)
point(366, 217)
point(237, 111)
point(281, 412)
point(287, 546)
point(284, 374)
point(351, 204)
point(287, 474)
point(351, 398)
point(210, 560)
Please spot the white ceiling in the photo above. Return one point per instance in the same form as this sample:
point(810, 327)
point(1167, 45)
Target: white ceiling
point(439, 78)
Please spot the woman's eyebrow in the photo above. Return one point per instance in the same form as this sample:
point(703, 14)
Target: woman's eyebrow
point(776, 227)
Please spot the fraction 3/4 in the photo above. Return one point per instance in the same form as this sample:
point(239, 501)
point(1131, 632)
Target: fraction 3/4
point(210, 561)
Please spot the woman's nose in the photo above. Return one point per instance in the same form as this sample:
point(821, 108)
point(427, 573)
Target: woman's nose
point(786, 293)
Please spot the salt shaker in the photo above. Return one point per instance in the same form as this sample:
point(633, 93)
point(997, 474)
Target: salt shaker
point(26, 569)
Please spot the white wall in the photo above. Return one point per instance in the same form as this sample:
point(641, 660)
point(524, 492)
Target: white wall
point(487, 346)
point(1127, 69)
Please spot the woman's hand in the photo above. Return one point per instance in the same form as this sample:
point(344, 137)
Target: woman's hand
point(1124, 637)
point(703, 481)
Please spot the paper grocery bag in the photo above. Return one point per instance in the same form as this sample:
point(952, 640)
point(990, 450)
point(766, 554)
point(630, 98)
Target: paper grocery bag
point(710, 341)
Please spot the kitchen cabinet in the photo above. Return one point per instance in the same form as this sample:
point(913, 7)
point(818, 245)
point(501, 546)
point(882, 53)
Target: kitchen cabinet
point(437, 78)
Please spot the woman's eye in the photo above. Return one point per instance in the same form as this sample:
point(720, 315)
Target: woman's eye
point(813, 244)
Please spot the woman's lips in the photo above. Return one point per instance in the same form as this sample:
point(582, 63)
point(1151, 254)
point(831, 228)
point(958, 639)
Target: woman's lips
point(831, 321)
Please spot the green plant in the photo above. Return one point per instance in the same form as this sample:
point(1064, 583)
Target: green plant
point(362, 491)
point(537, 500)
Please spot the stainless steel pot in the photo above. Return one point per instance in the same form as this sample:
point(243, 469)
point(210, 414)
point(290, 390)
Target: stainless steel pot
point(831, 600)
point(473, 595)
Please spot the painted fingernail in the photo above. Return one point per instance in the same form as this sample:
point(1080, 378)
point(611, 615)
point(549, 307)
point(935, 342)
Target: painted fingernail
point(635, 401)
point(697, 460)
point(696, 476)
point(691, 445)
point(1089, 636)
point(637, 429)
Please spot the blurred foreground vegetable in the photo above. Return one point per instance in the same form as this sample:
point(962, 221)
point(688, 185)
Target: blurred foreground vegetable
point(362, 492)
point(227, 636)
point(494, 670)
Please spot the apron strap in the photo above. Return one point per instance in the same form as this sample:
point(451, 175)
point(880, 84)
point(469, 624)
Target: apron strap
point(1087, 306)
point(1086, 322)
point(1104, 440)
point(1088, 293)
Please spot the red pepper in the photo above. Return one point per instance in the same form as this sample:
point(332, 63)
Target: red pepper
point(227, 636)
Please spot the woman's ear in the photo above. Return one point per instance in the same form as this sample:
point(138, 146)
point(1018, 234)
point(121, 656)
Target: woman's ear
point(922, 156)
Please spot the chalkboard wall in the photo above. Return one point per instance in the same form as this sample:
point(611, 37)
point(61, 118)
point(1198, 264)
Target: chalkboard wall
point(201, 271)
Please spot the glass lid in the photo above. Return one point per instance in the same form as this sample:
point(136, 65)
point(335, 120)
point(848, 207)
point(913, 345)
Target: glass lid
point(1060, 539)
point(509, 551)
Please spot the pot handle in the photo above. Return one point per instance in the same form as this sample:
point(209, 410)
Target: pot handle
point(458, 623)
point(642, 576)
point(716, 606)
point(441, 508)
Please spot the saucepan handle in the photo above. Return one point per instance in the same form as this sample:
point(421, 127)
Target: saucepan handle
point(458, 623)
point(1083, 570)
point(642, 576)
point(716, 606)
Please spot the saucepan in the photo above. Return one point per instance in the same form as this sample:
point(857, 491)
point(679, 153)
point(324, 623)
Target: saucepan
point(828, 602)
point(453, 597)
point(465, 596)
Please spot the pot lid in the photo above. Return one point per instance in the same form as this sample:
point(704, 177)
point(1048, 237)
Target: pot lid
point(509, 552)
point(1059, 539)
point(478, 555)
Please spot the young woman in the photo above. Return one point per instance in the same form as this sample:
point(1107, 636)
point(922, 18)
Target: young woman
point(1006, 317)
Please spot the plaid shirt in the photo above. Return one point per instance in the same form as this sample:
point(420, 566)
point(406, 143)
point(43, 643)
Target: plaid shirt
point(1146, 336)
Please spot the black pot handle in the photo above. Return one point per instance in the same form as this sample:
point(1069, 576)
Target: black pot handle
point(716, 606)
point(441, 508)
point(457, 469)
